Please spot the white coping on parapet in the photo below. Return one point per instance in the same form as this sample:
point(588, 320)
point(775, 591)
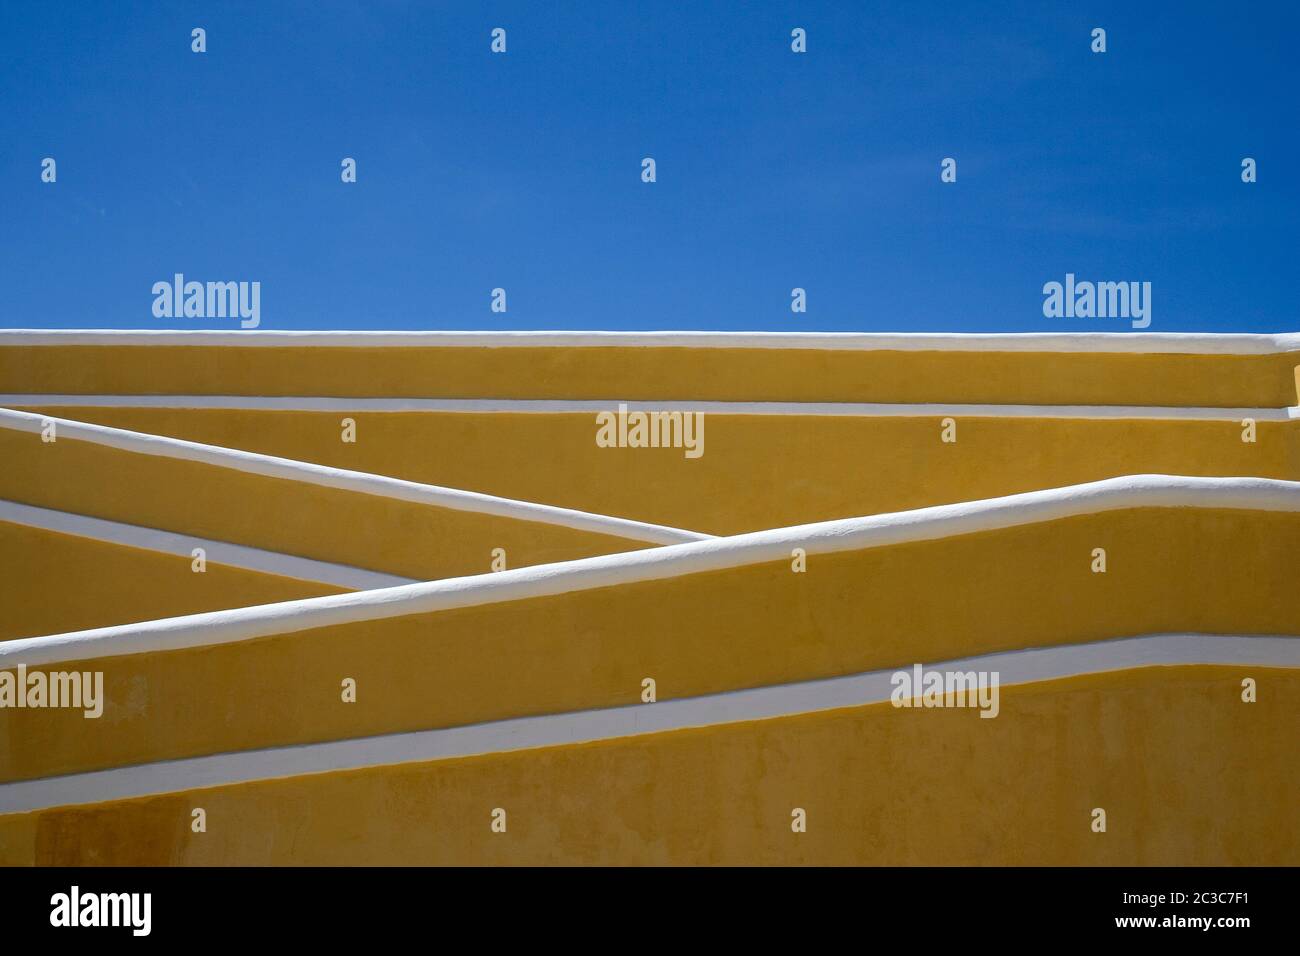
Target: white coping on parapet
point(588, 407)
point(181, 545)
point(379, 485)
point(850, 534)
point(1207, 343)
point(613, 723)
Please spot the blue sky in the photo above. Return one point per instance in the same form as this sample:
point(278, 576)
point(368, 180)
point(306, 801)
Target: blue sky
point(775, 169)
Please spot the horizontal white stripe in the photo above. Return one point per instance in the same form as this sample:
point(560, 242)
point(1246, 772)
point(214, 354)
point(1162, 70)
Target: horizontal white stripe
point(216, 552)
point(589, 407)
point(1015, 667)
point(378, 485)
point(1206, 343)
point(851, 534)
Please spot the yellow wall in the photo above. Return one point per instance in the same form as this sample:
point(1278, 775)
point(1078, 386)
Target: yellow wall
point(1187, 773)
point(1170, 570)
point(327, 524)
point(658, 373)
point(756, 472)
point(56, 583)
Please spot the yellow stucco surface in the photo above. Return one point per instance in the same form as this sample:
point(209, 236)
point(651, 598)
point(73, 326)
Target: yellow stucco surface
point(328, 524)
point(1186, 772)
point(674, 373)
point(1169, 570)
point(56, 583)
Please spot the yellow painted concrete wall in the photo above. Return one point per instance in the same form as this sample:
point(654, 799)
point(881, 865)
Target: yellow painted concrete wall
point(658, 373)
point(56, 583)
point(1170, 570)
point(327, 524)
point(1187, 774)
point(756, 472)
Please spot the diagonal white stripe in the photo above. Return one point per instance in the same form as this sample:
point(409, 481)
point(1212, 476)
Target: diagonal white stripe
point(851, 534)
point(217, 552)
point(1014, 667)
point(362, 482)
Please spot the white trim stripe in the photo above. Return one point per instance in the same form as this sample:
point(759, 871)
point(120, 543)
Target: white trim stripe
point(591, 407)
point(552, 730)
point(362, 482)
point(217, 552)
point(924, 524)
point(1203, 343)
